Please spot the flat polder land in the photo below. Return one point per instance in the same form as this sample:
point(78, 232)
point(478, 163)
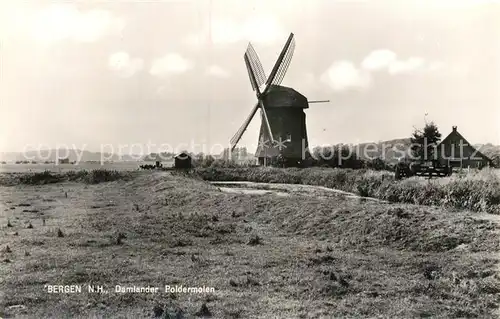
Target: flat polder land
point(265, 256)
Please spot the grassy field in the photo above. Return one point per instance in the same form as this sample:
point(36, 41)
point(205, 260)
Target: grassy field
point(266, 256)
point(476, 191)
point(63, 168)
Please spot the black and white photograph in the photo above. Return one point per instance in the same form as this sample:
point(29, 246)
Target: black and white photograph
point(249, 159)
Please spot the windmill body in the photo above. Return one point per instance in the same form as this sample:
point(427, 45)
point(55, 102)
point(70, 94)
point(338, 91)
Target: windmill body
point(283, 133)
point(285, 112)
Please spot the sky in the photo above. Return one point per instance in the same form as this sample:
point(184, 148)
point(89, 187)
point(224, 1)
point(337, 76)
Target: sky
point(107, 74)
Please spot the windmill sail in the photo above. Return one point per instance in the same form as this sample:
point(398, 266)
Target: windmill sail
point(251, 74)
point(281, 64)
point(266, 122)
point(280, 74)
point(255, 65)
point(257, 78)
point(236, 138)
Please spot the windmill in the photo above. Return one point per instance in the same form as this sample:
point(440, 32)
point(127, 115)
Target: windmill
point(283, 129)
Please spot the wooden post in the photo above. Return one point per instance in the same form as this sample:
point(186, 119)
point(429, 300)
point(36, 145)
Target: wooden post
point(397, 173)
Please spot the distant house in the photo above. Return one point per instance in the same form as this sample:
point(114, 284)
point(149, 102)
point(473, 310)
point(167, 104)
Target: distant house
point(63, 160)
point(183, 160)
point(456, 151)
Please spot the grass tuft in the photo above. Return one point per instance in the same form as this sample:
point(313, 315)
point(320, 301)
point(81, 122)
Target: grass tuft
point(119, 238)
point(157, 311)
point(204, 311)
point(254, 240)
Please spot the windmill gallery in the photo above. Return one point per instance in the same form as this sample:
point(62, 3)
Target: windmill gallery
point(283, 133)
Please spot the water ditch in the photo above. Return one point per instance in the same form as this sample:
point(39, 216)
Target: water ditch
point(252, 188)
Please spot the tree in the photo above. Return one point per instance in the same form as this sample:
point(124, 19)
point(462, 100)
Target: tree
point(208, 160)
point(496, 161)
point(336, 156)
point(424, 142)
point(243, 153)
point(226, 154)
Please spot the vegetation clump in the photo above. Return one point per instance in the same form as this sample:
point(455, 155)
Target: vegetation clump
point(478, 191)
point(95, 176)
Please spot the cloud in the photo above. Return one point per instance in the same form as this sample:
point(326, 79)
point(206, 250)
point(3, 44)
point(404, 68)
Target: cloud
point(13, 20)
point(344, 75)
point(124, 65)
point(378, 60)
point(61, 21)
point(435, 66)
point(456, 4)
point(217, 71)
point(410, 65)
point(262, 29)
point(387, 60)
point(171, 63)
point(258, 28)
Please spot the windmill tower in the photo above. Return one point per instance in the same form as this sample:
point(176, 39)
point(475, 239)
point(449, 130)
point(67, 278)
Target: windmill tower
point(283, 131)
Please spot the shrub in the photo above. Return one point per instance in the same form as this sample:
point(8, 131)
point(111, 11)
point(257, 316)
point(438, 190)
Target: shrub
point(101, 175)
point(378, 164)
point(335, 156)
point(90, 177)
point(45, 177)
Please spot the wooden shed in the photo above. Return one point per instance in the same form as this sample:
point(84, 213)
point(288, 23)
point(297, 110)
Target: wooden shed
point(456, 151)
point(183, 160)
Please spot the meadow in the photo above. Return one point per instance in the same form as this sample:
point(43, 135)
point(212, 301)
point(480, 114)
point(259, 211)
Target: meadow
point(62, 168)
point(266, 256)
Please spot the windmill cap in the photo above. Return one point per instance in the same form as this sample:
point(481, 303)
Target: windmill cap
point(182, 155)
point(281, 96)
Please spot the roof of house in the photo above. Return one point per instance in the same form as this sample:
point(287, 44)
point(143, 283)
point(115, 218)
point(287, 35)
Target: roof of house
point(455, 132)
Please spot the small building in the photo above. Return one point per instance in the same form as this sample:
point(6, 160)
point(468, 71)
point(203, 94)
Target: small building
point(183, 160)
point(455, 151)
point(63, 160)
